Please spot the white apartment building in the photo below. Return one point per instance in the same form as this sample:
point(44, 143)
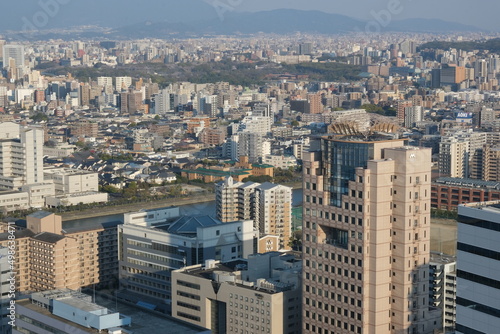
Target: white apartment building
point(105, 81)
point(413, 115)
point(250, 144)
point(21, 156)
point(72, 181)
point(443, 287)
point(122, 83)
point(38, 192)
point(256, 124)
point(14, 200)
point(453, 158)
point(13, 54)
point(279, 161)
point(268, 205)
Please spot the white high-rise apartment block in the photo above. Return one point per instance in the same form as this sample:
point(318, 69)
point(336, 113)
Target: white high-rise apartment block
point(256, 124)
point(122, 83)
point(21, 156)
point(13, 52)
point(413, 115)
point(253, 145)
point(453, 161)
point(478, 268)
point(268, 205)
point(105, 81)
point(162, 102)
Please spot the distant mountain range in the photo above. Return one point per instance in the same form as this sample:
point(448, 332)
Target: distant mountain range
point(283, 21)
point(198, 18)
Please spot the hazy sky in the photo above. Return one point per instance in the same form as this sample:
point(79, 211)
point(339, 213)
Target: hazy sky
point(481, 13)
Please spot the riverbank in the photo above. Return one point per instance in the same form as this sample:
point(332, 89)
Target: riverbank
point(132, 207)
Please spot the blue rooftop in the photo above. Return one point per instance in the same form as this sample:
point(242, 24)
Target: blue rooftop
point(188, 224)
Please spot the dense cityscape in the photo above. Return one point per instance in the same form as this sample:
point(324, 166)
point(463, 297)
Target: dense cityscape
point(256, 182)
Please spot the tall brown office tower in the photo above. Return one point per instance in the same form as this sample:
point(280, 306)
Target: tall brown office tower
point(315, 103)
point(366, 236)
point(400, 107)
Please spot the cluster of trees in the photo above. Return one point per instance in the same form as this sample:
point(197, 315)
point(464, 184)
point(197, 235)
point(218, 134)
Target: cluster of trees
point(385, 111)
point(259, 179)
point(39, 117)
point(245, 74)
point(325, 71)
point(280, 176)
point(492, 45)
point(438, 213)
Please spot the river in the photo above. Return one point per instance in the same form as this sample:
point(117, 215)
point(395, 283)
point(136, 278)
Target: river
point(205, 208)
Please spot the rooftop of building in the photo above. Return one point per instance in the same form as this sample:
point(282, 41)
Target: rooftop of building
point(188, 225)
point(360, 138)
point(143, 322)
point(269, 185)
point(20, 234)
point(34, 307)
point(490, 205)
point(48, 237)
point(468, 183)
point(212, 269)
point(442, 258)
point(40, 214)
point(11, 192)
point(70, 228)
point(207, 273)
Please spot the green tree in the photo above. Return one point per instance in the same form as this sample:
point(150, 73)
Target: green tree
point(131, 190)
point(40, 117)
point(259, 179)
point(109, 189)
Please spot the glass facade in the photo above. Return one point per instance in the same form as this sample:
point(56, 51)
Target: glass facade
point(344, 158)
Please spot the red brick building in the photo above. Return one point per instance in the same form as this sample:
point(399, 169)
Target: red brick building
point(447, 193)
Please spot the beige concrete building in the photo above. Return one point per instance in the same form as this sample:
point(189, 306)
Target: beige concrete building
point(13, 200)
point(268, 205)
point(50, 257)
point(75, 199)
point(85, 129)
point(258, 296)
point(366, 237)
point(491, 163)
point(59, 151)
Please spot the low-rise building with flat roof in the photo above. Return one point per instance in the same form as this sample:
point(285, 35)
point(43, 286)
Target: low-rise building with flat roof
point(66, 311)
point(261, 295)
